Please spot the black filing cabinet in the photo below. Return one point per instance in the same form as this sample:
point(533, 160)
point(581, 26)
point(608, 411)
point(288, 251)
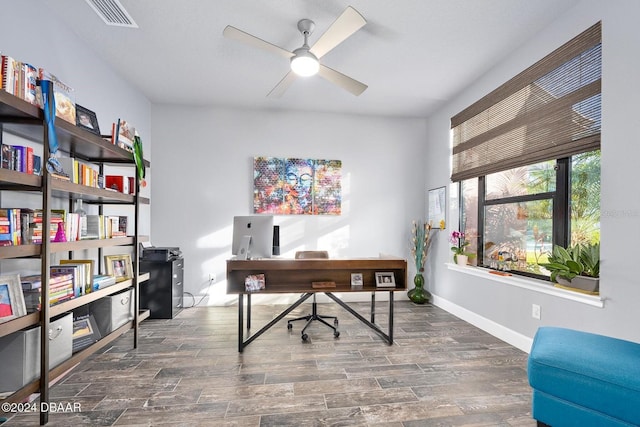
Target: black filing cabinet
point(162, 294)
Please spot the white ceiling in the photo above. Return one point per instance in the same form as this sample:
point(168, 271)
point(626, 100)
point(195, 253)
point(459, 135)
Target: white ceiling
point(414, 54)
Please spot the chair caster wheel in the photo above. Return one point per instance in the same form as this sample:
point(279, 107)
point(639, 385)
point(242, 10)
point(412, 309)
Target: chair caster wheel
point(289, 326)
point(336, 334)
point(335, 322)
point(304, 337)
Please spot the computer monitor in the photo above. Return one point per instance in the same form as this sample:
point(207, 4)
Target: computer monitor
point(252, 236)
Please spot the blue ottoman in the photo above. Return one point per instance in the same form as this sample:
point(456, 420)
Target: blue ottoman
point(583, 379)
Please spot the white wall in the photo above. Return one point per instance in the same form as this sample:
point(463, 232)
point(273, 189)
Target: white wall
point(202, 162)
point(495, 304)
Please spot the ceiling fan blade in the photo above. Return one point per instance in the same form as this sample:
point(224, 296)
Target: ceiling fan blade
point(283, 85)
point(348, 23)
point(236, 34)
point(345, 82)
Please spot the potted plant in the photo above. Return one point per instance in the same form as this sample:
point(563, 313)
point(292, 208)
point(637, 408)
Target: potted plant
point(419, 247)
point(460, 256)
point(577, 266)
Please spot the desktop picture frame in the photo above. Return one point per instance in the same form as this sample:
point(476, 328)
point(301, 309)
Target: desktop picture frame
point(437, 207)
point(119, 266)
point(11, 298)
point(87, 119)
point(356, 280)
point(385, 279)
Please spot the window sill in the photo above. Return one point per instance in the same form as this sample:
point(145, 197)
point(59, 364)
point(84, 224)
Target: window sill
point(530, 284)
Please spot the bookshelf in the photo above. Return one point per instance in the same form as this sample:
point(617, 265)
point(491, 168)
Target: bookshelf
point(26, 121)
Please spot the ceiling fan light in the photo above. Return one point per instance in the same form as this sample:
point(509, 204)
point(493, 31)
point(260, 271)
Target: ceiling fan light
point(304, 63)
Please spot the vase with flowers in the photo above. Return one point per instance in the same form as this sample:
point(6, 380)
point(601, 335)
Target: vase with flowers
point(457, 239)
point(419, 246)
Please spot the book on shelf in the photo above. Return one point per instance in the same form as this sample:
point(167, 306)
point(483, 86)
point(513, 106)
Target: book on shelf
point(78, 272)
point(63, 95)
point(10, 221)
point(58, 293)
point(80, 172)
point(72, 226)
point(7, 156)
point(19, 79)
point(254, 282)
point(85, 332)
point(57, 216)
point(122, 134)
point(19, 158)
point(101, 281)
point(34, 281)
point(29, 83)
point(88, 268)
point(95, 227)
point(10, 69)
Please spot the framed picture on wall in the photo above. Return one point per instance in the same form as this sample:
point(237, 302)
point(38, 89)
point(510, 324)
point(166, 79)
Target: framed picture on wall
point(437, 207)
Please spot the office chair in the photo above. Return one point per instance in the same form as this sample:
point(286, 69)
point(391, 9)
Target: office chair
point(314, 306)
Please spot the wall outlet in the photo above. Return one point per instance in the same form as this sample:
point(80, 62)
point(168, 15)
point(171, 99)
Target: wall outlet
point(535, 311)
point(212, 277)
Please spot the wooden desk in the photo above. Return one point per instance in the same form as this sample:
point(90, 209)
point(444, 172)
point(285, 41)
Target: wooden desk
point(295, 276)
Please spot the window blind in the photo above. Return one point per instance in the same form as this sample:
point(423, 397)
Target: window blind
point(550, 110)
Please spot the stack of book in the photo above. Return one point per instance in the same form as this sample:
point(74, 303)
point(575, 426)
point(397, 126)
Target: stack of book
point(21, 79)
point(57, 217)
point(81, 172)
point(101, 281)
point(21, 158)
point(10, 226)
point(61, 288)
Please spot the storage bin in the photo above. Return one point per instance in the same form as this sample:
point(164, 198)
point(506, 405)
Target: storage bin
point(20, 352)
point(113, 311)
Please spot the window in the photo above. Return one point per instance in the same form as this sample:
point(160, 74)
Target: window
point(527, 156)
point(520, 218)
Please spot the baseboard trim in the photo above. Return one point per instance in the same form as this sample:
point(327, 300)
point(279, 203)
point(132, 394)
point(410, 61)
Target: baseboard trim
point(497, 330)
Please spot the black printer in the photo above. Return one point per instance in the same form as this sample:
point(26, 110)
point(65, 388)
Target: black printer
point(154, 253)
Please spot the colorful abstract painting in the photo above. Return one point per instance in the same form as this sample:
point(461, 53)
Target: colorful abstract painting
point(294, 186)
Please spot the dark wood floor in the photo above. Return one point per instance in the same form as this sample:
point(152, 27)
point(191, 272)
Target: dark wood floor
point(440, 371)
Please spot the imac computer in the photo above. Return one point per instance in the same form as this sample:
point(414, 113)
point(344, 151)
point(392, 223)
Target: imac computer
point(253, 237)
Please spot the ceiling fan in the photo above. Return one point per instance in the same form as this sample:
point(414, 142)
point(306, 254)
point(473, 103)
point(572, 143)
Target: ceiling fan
point(305, 60)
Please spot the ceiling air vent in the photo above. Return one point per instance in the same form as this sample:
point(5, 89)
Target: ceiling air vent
point(112, 13)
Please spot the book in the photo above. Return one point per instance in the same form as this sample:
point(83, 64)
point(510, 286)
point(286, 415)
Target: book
point(95, 227)
point(124, 135)
point(323, 285)
point(29, 83)
point(10, 218)
point(85, 332)
point(37, 165)
point(78, 273)
point(34, 281)
point(254, 282)
point(57, 216)
point(70, 168)
point(88, 271)
point(101, 281)
point(63, 94)
point(9, 74)
point(7, 156)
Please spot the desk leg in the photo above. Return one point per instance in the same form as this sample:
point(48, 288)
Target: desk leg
point(240, 322)
point(388, 338)
point(248, 311)
point(390, 318)
point(242, 343)
point(373, 307)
